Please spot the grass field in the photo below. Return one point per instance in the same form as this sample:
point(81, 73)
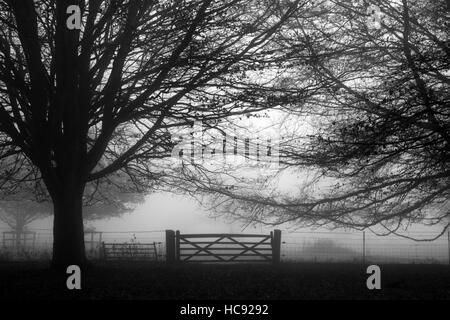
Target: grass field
point(139, 280)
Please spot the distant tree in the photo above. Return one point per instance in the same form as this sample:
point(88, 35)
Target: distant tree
point(19, 210)
point(21, 206)
point(18, 214)
point(24, 200)
point(79, 105)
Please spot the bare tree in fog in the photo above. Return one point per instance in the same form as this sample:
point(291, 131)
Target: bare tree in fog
point(79, 105)
point(24, 199)
point(379, 99)
point(21, 209)
point(18, 214)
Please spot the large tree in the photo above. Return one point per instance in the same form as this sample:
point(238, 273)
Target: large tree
point(80, 105)
point(377, 80)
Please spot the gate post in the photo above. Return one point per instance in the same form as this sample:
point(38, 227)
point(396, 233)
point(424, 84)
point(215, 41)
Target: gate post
point(170, 246)
point(177, 246)
point(276, 246)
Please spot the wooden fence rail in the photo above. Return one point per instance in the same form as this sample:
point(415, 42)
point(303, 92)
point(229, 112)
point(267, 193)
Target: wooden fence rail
point(217, 247)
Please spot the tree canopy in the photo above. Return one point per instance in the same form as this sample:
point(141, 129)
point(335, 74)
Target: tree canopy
point(376, 104)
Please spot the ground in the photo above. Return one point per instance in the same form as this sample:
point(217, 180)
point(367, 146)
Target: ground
point(291, 281)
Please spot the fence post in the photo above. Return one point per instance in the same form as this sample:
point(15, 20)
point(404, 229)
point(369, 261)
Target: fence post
point(156, 251)
point(92, 243)
point(34, 240)
point(276, 246)
point(100, 241)
point(177, 246)
point(364, 248)
point(170, 246)
point(103, 251)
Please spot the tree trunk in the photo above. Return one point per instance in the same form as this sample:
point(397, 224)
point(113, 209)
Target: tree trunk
point(68, 233)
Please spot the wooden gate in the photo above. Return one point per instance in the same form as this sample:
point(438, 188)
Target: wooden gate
point(223, 247)
point(129, 251)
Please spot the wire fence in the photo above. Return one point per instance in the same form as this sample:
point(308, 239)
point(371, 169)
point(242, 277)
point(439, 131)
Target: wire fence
point(364, 247)
point(328, 246)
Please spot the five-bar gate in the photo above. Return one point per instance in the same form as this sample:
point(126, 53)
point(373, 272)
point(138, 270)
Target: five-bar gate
point(223, 247)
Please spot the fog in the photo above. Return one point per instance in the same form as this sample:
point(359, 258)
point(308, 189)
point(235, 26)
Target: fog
point(159, 212)
point(163, 211)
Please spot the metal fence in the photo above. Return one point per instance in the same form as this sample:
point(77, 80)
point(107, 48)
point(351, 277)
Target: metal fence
point(324, 246)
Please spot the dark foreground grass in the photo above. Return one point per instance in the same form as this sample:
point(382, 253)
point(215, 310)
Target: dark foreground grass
point(143, 280)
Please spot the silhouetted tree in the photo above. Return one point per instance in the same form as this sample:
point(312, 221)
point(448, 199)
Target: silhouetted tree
point(79, 105)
